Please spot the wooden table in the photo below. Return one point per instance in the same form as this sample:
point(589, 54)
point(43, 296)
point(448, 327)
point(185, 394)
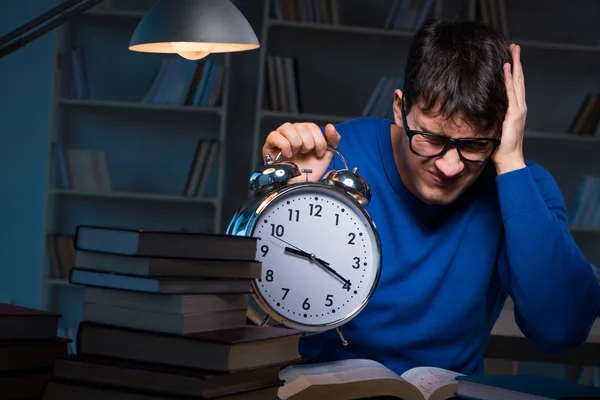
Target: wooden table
point(508, 342)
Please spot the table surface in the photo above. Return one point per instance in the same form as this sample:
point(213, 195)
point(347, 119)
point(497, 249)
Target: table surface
point(506, 325)
point(509, 343)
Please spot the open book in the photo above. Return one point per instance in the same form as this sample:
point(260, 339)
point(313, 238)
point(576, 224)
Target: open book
point(354, 379)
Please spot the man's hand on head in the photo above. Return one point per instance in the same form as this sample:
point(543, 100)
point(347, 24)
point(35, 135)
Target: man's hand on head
point(509, 155)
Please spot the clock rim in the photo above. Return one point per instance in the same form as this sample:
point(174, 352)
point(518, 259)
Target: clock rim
point(261, 204)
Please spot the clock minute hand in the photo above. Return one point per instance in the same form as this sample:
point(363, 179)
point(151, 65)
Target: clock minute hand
point(324, 264)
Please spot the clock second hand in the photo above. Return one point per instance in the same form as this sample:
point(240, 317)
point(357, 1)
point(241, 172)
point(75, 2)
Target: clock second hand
point(296, 250)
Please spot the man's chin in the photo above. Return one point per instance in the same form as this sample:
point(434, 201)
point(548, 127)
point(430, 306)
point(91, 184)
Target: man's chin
point(439, 197)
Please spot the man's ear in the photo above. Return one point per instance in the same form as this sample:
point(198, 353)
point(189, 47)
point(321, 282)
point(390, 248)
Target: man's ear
point(398, 107)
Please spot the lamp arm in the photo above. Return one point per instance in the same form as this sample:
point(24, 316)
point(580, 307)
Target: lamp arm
point(7, 47)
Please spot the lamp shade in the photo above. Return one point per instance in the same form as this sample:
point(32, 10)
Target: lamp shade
point(193, 29)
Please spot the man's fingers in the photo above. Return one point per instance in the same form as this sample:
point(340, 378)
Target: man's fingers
point(319, 140)
point(290, 132)
point(518, 78)
point(332, 135)
point(510, 87)
point(308, 142)
point(276, 143)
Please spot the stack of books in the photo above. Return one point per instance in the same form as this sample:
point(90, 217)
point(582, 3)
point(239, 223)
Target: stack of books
point(29, 345)
point(164, 316)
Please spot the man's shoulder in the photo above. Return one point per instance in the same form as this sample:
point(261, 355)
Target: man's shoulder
point(538, 172)
point(362, 125)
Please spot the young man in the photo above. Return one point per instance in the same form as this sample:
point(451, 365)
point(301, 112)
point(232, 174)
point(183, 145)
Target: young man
point(464, 220)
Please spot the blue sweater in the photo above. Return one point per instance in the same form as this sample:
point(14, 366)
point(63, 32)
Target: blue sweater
point(447, 270)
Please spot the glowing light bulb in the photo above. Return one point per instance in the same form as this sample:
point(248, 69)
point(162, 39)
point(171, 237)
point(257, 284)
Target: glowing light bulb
point(191, 50)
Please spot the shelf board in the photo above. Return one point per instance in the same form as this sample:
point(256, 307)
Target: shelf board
point(557, 46)
point(585, 230)
point(308, 117)
point(360, 30)
point(363, 30)
point(138, 106)
point(116, 13)
point(135, 196)
point(58, 282)
point(563, 137)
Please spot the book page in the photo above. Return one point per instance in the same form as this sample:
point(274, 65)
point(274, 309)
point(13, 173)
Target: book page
point(336, 368)
point(430, 379)
point(343, 379)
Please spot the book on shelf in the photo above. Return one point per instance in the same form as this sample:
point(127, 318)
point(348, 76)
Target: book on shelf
point(315, 11)
point(407, 15)
point(495, 14)
point(29, 344)
point(522, 387)
point(586, 209)
point(61, 255)
point(71, 71)
point(282, 84)
point(361, 378)
point(586, 121)
point(82, 169)
point(181, 82)
point(381, 102)
point(164, 315)
point(201, 167)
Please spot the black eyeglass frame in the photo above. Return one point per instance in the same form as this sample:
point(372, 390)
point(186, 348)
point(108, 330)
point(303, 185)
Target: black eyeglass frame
point(450, 142)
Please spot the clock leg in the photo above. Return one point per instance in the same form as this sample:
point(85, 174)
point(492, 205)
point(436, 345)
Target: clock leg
point(339, 331)
point(264, 320)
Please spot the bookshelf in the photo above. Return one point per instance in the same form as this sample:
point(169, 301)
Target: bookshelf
point(149, 146)
point(338, 64)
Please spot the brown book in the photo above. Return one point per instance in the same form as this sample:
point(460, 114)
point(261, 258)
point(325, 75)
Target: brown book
point(220, 350)
point(18, 322)
point(58, 390)
point(86, 277)
point(170, 244)
point(173, 267)
point(583, 115)
point(24, 384)
point(18, 355)
point(168, 303)
point(164, 322)
point(161, 378)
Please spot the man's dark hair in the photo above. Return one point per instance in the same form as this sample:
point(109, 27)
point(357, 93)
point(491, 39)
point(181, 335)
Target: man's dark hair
point(456, 68)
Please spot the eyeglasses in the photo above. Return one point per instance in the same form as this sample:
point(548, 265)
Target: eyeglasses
point(432, 145)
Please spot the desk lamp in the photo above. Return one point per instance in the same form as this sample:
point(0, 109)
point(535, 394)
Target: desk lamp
point(190, 28)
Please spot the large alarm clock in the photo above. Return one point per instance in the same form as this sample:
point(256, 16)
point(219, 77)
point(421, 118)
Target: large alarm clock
point(319, 248)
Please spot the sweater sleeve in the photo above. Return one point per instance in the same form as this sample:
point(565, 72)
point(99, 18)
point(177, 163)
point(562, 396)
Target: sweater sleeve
point(556, 293)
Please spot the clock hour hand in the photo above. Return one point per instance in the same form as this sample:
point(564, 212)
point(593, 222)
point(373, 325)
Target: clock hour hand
point(296, 250)
point(324, 264)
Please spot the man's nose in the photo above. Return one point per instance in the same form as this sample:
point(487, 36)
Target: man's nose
point(450, 164)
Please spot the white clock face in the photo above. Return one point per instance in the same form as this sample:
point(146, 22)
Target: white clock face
point(319, 257)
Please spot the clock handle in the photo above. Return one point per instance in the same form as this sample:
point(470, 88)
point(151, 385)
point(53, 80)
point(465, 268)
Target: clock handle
point(336, 151)
point(264, 320)
point(341, 334)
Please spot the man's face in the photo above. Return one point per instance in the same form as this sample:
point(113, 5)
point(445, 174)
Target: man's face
point(439, 180)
